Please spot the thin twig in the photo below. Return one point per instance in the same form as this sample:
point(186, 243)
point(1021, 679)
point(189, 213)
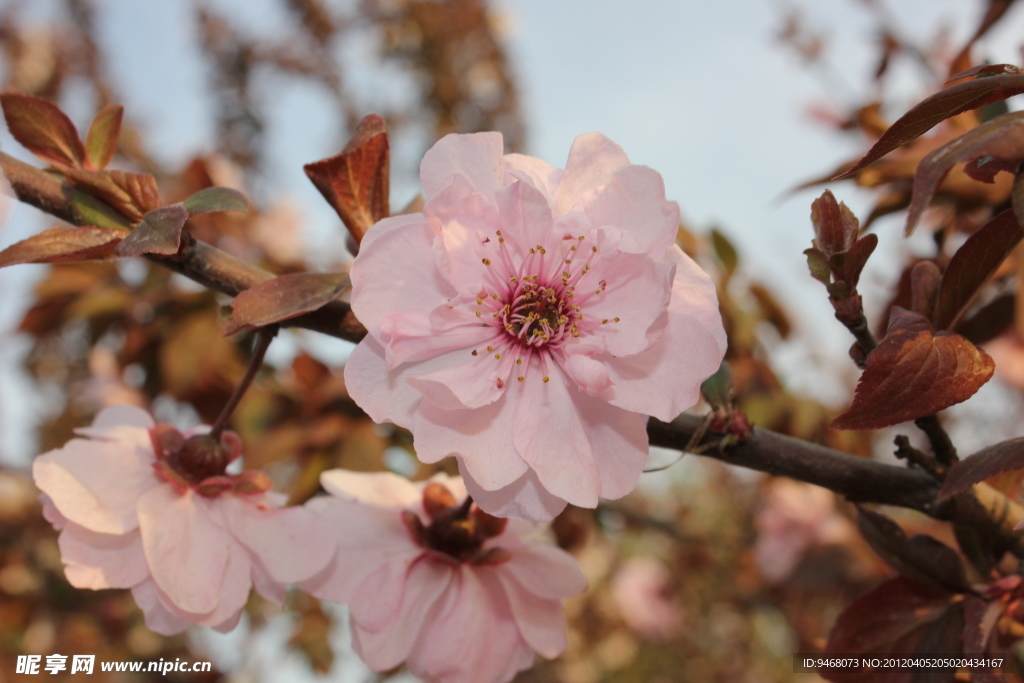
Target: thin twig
point(264, 336)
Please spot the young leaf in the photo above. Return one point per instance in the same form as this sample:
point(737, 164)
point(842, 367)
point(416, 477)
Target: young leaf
point(942, 105)
point(835, 226)
point(63, 244)
point(919, 557)
point(1002, 138)
point(158, 233)
point(216, 199)
point(891, 619)
point(913, 373)
point(988, 462)
point(818, 264)
point(131, 194)
point(355, 182)
point(284, 297)
point(724, 250)
point(43, 129)
point(849, 264)
point(101, 140)
point(973, 264)
point(984, 70)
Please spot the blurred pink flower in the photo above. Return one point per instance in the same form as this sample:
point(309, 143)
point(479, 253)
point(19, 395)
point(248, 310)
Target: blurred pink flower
point(530, 319)
point(1008, 353)
point(641, 589)
point(456, 594)
point(794, 518)
point(189, 547)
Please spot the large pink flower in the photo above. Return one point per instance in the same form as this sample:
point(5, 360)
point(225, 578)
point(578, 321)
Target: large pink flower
point(530, 319)
point(189, 550)
point(452, 591)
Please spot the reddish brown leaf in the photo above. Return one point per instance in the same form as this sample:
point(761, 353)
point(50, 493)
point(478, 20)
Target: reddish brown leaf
point(973, 264)
point(43, 129)
point(835, 226)
point(355, 182)
point(988, 462)
point(919, 557)
point(63, 244)
point(284, 297)
point(1002, 137)
point(984, 70)
point(925, 277)
point(101, 140)
point(891, 619)
point(848, 265)
point(131, 194)
point(158, 233)
point(913, 373)
point(942, 105)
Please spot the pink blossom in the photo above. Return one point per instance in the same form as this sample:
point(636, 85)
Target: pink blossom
point(530, 319)
point(794, 518)
point(642, 591)
point(188, 547)
point(455, 593)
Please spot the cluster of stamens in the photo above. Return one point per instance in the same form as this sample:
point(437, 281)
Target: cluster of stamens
point(539, 303)
point(456, 532)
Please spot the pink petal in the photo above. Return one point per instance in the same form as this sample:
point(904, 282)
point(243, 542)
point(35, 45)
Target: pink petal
point(414, 337)
point(366, 538)
point(158, 618)
point(590, 375)
point(51, 514)
point(377, 601)
point(118, 416)
point(383, 650)
point(542, 176)
point(637, 291)
point(546, 571)
point(392, 276)
point(619, 441)
point(665, 380)
point(634, 201)
point(234, 593)
point(593, 160)
point(381, 489)
point(694, 293)
point(464, 219)
point(477, 156)
point(97, 561)
point(481, 437)
point(550, 436)
point(525, 499)
point(475, 382)
point(472, 637)
point(525, 215)
point(382, 393)
point(96, 483)
point(266, 586)
point(386, 225)
point(540, 621)
point(292, 544)
point(187, 551)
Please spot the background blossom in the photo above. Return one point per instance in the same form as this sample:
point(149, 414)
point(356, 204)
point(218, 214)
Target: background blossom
point(530, 319)
point(188, 558)
point(478, 617)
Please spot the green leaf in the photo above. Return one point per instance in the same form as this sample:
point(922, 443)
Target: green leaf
point(724, 250)
point(216, 199)
point(101, 140)
point(818, 264)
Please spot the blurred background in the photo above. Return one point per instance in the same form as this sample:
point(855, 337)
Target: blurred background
point(704, 573)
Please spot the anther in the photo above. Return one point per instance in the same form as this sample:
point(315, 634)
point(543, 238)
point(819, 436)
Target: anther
point(486, 261)
point(546, 379)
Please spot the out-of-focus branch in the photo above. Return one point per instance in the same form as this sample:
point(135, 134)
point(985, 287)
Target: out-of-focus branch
point(196, 260)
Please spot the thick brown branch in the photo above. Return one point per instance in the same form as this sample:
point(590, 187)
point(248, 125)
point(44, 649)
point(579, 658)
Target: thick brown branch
point(858, 479)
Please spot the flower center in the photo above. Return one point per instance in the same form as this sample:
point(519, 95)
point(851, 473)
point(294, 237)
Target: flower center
point(456, 533)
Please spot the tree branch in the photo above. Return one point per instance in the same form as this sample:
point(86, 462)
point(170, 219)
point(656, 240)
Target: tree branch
point(857, 479)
